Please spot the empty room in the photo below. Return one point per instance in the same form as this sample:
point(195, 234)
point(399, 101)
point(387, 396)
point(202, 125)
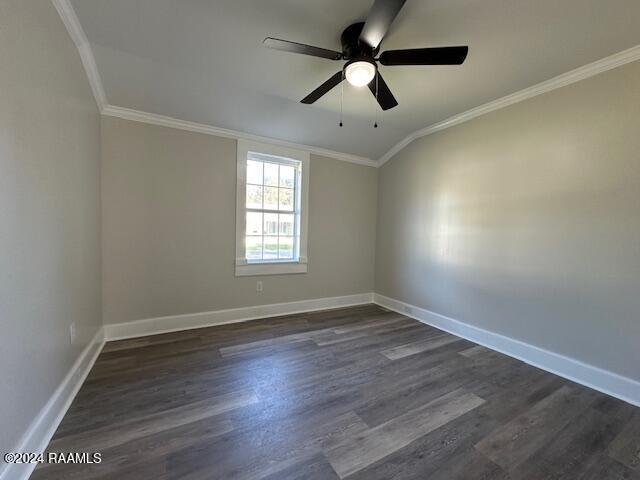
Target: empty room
point(319, 240)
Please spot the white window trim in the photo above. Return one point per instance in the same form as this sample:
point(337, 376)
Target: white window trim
point(244, 268)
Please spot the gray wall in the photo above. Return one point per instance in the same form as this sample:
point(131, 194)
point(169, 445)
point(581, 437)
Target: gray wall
point(168, 199)
point(49, 211)
point(526, 222)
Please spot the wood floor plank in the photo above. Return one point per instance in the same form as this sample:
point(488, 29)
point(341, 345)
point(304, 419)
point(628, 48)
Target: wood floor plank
point(122, 432)
point(154, 447)
point(356, 453)
point(573, 451)
point(261, 344)
point(311, 396)
point(606, 468)
point(474, 351)
point(376, 323)
point(258, 451)
point(626, 446)
point(410, 389)
point(315, 468)
point(515, 442)
point(433, 453)
point(419, 347)
point(468, 464)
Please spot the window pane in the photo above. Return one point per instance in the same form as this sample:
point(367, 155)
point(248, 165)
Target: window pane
point(254, 172)
point(286, 199)
point(254, 197)
point(270, 198)
point(270, 248)
point(271, 174)
point(254, 223)
point(286, 224)
point(286, 248)
point(287, 176)
point(253, 248)
point(271, 224)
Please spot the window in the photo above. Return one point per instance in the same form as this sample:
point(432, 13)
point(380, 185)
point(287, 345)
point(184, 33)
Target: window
point(271, 210)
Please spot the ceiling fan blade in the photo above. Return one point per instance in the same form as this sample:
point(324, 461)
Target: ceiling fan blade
point(324, 88)
point(384, 96)
point(294, 47)
point(380, 18)
point(425, 56)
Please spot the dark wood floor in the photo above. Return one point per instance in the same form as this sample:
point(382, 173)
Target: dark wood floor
point(358, 393)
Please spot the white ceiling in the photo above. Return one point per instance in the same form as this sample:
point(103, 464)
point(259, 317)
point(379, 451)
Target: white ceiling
point(203, 61)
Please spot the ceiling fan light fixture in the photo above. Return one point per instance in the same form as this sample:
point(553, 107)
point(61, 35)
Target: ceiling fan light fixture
point(360, 47)
point(360, 73)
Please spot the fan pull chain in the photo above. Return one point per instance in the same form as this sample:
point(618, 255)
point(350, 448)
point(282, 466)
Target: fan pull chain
point(375, 121)
point(341, 97)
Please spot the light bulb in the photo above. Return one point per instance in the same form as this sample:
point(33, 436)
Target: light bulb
point(360, 73)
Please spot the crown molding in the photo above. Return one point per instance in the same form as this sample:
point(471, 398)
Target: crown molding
point(77, 34)
point(616, 60)
point(70, 20)
point(164, 121)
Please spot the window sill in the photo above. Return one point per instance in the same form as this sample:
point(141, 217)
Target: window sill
point(276, 268)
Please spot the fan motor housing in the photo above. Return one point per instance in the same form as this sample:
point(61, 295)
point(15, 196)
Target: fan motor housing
point(352, 47)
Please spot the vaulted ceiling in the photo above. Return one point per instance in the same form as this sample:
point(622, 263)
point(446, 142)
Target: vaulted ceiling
point(203, 60)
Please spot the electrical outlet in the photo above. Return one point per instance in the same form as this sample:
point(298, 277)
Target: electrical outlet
point(72, 333)
point(259, 286)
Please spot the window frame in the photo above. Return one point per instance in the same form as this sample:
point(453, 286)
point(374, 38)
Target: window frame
point(244, 267)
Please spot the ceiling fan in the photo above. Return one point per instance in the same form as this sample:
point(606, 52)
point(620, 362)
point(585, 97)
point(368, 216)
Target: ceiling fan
point(360, 45)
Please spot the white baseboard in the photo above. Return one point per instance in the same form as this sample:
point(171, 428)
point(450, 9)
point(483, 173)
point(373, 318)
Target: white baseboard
point(41, 430)
point(154, 326)
point(590, 376)
point(45, 424)
point(39, 433)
